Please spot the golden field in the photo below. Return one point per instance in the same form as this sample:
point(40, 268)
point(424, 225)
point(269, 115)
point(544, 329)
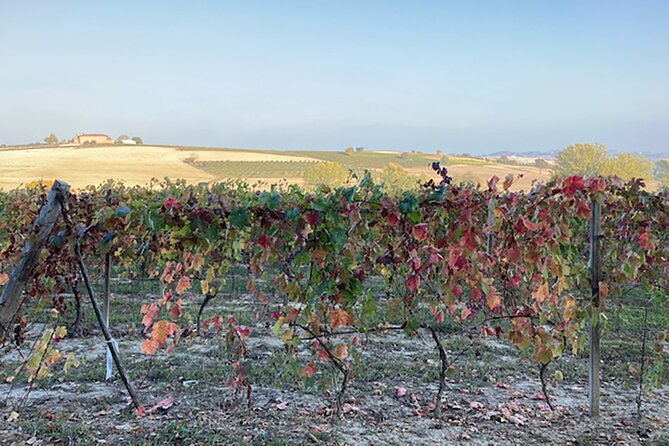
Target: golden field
point(81, 166)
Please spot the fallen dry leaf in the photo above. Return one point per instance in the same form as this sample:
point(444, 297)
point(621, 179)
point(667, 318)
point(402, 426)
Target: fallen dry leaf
point(324, 428)
point(476, 405)
point(346, 408)
point(163, 404)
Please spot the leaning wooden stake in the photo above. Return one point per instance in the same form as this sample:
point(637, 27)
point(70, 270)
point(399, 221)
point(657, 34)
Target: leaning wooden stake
point(595, 276)
point(98, 312)
point(490, 223)
point(105, 330)
point(12, 295)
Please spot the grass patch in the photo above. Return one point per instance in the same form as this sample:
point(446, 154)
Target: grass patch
point(184, 433)
point(64, 432)
point(453, 161)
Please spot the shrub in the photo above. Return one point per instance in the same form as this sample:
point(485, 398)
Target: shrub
point(326, 174)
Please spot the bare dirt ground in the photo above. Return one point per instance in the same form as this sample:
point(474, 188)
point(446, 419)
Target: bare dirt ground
point(494, 398)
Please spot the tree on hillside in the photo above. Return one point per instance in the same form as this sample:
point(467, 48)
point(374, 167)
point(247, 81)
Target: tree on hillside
point(325, 173)
point(628, 165)
point(51, 140)
point(138, 140)
point(593, 159)
point(359, 149)
point(581, 159)
point(662, 172)
point(349, 151)
point(121, 138)
point(396, 179)
point(506, 160)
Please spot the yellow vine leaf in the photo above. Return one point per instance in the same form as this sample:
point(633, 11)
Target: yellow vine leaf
point(197, 261)
point(70, 361)
point(569, 308)
point(541, 293)
point(204, 286)
point(288, 335)
point(493, 299)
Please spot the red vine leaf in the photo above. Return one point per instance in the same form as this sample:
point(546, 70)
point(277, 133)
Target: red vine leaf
point(243, 332)
point(308, 371)
point(149, 346)
point(183, 285)
point(572, 184)
point(419, 231)
point(149, 312)
point(412, 282)
point(175, 311)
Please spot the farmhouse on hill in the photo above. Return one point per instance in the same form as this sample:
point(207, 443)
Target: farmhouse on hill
point(97, 138)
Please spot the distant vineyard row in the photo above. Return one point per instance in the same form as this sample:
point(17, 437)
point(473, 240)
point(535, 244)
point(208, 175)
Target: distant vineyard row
point(254, 169)
point(296, 169)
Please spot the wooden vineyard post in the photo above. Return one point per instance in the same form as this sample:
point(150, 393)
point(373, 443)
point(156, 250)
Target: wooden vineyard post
point(595, 276)
point(490, 223)
point(12, 297)
point(107, 295)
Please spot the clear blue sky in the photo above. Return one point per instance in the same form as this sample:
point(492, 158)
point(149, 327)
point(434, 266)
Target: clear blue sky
point(475, 76)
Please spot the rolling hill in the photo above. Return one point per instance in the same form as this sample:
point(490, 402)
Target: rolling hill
point(81, 166)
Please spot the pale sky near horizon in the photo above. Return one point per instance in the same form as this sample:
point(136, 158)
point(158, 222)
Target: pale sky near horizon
point(468, 76)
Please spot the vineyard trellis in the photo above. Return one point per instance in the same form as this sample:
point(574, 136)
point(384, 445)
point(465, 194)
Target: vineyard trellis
point(496, 262)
